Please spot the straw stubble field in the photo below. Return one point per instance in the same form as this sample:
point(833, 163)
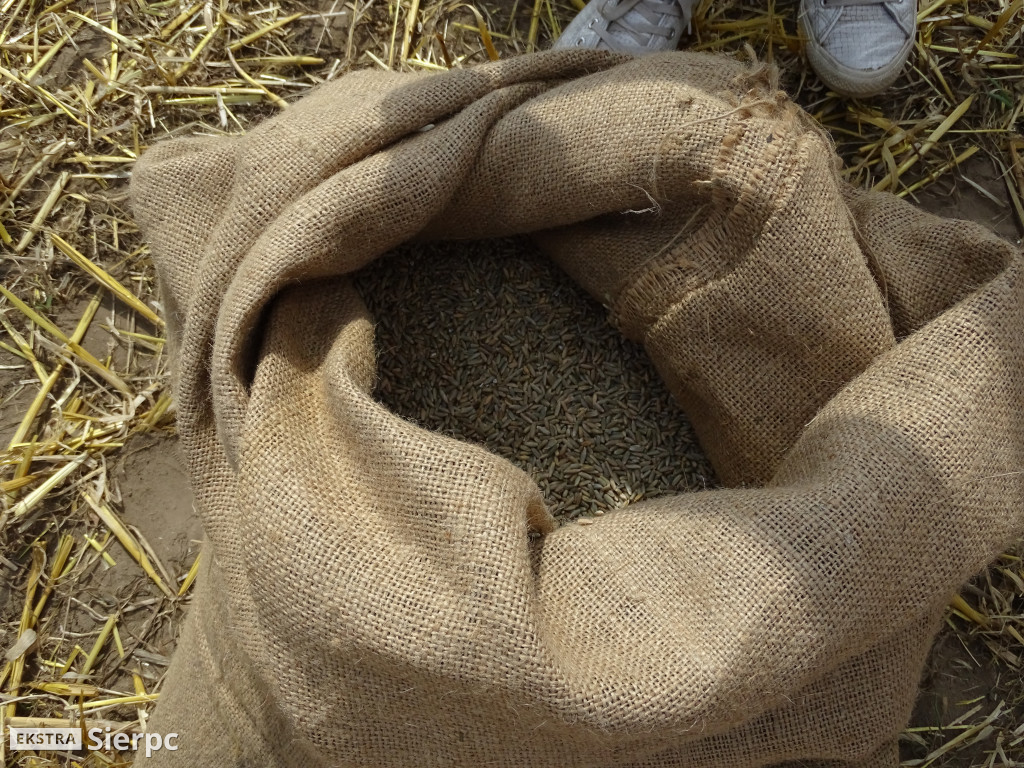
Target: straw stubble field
point(100, 542)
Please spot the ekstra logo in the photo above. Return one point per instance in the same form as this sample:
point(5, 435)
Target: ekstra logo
point(70, 740)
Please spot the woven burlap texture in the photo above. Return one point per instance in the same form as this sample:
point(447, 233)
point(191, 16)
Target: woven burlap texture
point(374, 594)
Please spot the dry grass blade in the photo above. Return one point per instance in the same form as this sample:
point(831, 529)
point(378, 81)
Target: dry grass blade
point(937, 172)
point(57, 569)
point(18, 482)
point(105, 30)
point(410, 28)
point(485, 34)
point(55, 480)
point(97, 647)
point(73, 345)
point(128, 541)
point(120, 701)
point(107, 280)
point(273, 97)
point(190, 577)
point(956, 741)
point(37, 404)
point(44, 210)
point(66, 689)
point(253, 37)
point(17, 663)
point(959, 604)
point(929, 143)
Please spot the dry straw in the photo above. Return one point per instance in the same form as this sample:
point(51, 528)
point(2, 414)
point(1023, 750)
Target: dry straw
point(86, 86)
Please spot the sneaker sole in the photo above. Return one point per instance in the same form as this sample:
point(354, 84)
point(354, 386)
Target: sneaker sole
point(856, 83)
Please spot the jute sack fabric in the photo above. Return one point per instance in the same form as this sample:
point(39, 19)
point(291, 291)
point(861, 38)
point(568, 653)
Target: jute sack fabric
point(371, 593)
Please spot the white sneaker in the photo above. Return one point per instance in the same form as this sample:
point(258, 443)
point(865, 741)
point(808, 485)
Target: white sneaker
point(629, 26)
point(858, 47)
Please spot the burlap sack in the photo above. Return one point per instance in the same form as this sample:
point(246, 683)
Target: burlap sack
point(371, 594)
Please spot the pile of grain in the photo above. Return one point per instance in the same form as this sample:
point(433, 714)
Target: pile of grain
point(491, 343)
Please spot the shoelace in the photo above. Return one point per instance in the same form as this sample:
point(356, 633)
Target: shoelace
point(884, 3)
point(650, 11)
